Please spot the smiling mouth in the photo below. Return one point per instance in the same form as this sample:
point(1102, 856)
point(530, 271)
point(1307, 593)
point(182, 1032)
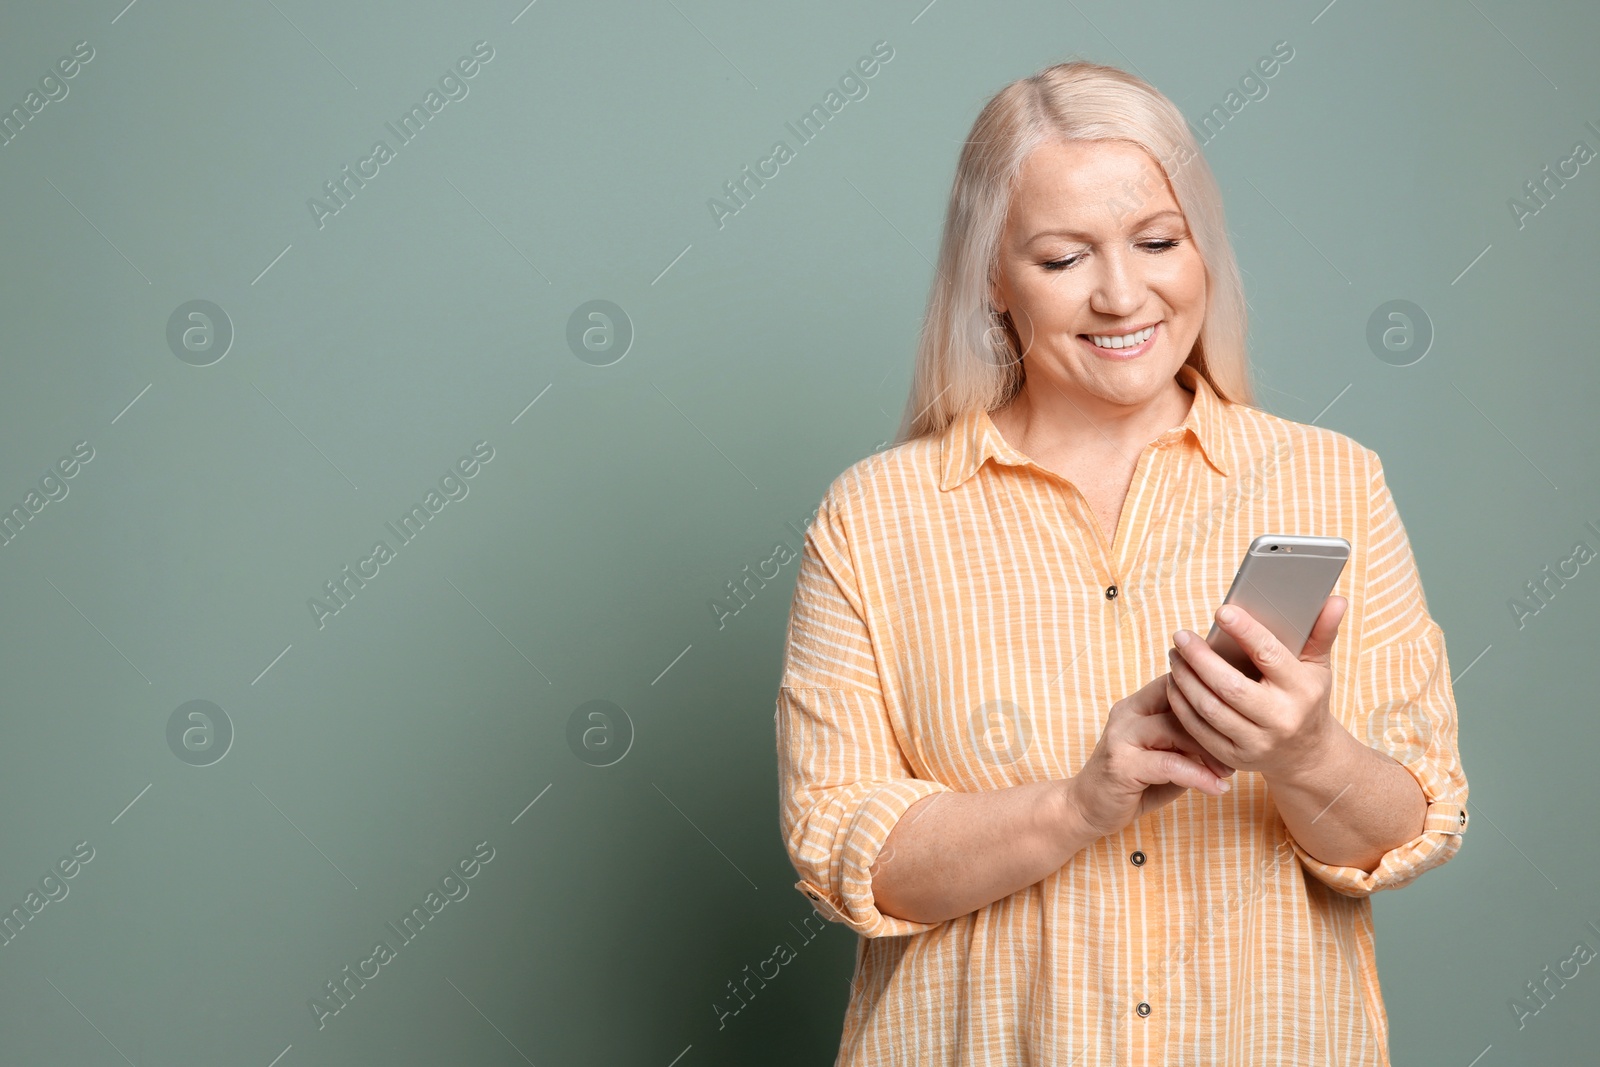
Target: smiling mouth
point(1122, 346)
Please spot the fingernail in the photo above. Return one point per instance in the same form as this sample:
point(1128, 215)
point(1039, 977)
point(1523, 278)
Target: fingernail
point(1225, 614)
point(1226, 785)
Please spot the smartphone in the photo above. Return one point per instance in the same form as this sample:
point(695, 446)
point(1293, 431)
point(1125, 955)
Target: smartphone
point(1283, 581)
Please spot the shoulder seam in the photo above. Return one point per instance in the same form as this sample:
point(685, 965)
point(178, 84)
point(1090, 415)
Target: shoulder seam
point(847, 487)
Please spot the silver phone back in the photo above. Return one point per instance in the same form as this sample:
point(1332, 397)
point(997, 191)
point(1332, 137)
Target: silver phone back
point(1282, 582)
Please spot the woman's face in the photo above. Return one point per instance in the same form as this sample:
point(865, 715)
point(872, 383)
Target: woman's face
point(1095, 244)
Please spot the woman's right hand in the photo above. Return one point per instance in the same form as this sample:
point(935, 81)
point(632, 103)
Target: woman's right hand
point(1143, 760)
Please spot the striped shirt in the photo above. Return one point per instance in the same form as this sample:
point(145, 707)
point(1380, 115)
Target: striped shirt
point(960, 623)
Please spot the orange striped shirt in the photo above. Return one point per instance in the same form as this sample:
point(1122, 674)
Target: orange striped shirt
point(951, 629)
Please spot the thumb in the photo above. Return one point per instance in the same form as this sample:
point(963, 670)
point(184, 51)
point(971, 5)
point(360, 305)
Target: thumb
point(1319, 644)
point(1151, 698)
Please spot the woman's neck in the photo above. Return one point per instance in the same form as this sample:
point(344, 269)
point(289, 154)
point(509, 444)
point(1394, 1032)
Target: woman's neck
point(1049, 423)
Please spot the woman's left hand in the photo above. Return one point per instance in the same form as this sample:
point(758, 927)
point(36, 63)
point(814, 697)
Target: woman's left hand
point(1274, 726)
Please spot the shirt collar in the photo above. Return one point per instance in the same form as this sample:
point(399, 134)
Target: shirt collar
point(973, 437)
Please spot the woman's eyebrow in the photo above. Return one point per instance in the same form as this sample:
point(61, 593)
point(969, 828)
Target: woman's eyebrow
point(1079, 235)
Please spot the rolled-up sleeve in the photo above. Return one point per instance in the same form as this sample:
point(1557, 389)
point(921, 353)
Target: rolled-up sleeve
point(1405, 706)
point(843, 778)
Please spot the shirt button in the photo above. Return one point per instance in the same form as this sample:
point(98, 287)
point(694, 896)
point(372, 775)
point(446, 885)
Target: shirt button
point(1143, 1009)
point(1137, 858)
point(1111, 592)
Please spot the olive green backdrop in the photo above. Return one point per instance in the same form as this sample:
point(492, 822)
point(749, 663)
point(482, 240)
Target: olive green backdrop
point(240, 747)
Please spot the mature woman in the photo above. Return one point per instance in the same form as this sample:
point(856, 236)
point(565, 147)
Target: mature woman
point(1065, 830)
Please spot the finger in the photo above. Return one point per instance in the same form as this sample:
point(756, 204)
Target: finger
point(1179, 769)
point(1167, 754)
point(1232, 689)
point(1216, 766)
point(1203, 732)
point(1319, 644)
point(1169, 733)
point(1164, 733)
point(1258, 642)
point(1150, 699)
point(1210, 702)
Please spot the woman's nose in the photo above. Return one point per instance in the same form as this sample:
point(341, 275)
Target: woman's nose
point(1118, 285)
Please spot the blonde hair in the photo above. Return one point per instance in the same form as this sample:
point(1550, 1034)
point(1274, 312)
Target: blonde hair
point(967, 357)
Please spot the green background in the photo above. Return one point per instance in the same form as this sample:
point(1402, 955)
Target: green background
point(436, 709)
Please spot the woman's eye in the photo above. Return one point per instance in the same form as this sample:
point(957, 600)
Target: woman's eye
point(1161, 245)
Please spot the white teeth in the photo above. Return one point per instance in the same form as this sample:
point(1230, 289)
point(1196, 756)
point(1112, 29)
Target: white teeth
point(1127, 340)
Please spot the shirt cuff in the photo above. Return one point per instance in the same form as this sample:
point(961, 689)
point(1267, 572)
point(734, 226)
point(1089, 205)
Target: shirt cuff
point(1440, 840)
point(850, 900)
